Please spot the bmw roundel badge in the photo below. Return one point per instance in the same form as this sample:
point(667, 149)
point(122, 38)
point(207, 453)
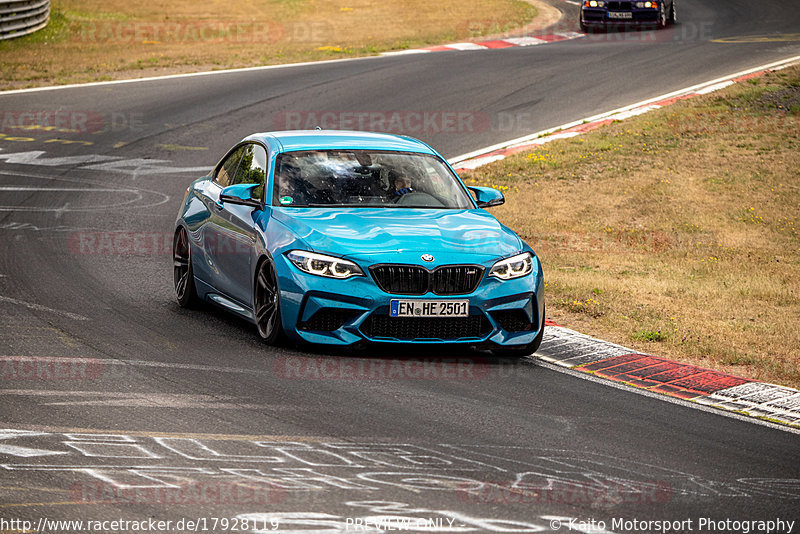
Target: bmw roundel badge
point(427, 257)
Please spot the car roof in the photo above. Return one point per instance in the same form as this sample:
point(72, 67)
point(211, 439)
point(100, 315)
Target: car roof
point(292, 140)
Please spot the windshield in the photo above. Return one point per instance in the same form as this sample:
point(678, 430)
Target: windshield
point(366, 178)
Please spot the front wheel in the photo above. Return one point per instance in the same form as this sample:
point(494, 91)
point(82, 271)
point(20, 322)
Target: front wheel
point(662, 15)
point(525, 350)
point(182, 274)
point(267, 303)
point(673, 13)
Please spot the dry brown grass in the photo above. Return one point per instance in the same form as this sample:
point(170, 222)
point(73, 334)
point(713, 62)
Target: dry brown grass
point(675, 233)
point(90, 40)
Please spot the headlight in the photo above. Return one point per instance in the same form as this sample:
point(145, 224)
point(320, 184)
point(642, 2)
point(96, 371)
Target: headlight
point(322, 265)
point(513, 267)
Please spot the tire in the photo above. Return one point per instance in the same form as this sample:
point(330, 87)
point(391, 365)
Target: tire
point(662, 16)
point(266, 303)
point(525, 350)
point(673, 13)
point(182, 272)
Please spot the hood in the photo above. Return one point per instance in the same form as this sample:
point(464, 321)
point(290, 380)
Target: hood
point(401, 235)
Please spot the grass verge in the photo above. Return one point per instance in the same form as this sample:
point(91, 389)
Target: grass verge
point(94, 40)
point(675, 232)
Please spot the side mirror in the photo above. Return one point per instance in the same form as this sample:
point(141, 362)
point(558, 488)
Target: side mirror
point(241, 194)
point(486, 197)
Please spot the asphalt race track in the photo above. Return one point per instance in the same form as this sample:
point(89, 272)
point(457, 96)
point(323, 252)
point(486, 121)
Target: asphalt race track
point(119, 405)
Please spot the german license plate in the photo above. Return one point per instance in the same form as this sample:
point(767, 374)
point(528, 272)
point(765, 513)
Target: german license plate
point(620, 15)
point(428, 308)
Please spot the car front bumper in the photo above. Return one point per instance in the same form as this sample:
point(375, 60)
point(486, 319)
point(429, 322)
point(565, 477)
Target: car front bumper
point(344, 312)
point(603, 17)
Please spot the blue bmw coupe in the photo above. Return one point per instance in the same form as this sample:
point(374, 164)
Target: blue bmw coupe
point(337, 238)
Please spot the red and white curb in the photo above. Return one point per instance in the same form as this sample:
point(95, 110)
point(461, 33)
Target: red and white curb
point(495, 44)
point(501, 151)
point(579, 352)
point(582, 353)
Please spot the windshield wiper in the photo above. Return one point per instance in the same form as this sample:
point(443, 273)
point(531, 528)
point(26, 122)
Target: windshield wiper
point(307, 205)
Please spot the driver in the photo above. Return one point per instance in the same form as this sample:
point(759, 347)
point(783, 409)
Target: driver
point(402, 185)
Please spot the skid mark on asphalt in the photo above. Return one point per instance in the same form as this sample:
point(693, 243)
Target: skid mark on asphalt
point(135, 400)
point(137, 197)
point(41, 308)
point(100, 363)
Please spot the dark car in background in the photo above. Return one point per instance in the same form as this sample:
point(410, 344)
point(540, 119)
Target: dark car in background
point(603, 14)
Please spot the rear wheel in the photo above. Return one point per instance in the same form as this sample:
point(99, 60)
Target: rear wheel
point(525, 350)
point(182, 274)
point(267, 303)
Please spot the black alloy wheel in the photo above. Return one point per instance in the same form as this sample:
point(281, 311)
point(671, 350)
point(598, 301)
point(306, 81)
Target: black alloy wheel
point(267, 304)
point(182, 274)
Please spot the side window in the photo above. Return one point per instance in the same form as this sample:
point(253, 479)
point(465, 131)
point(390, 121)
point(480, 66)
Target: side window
point(228, 168)
point(252, 169)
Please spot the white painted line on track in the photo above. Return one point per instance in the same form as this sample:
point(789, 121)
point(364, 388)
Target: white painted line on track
point(525, 41)
point(465, 46)
point(712, 88)
point(514, 41)
point(608, 114)
point(659, 396)
point(406, 52)
point(39, 307)
point(184, 75)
